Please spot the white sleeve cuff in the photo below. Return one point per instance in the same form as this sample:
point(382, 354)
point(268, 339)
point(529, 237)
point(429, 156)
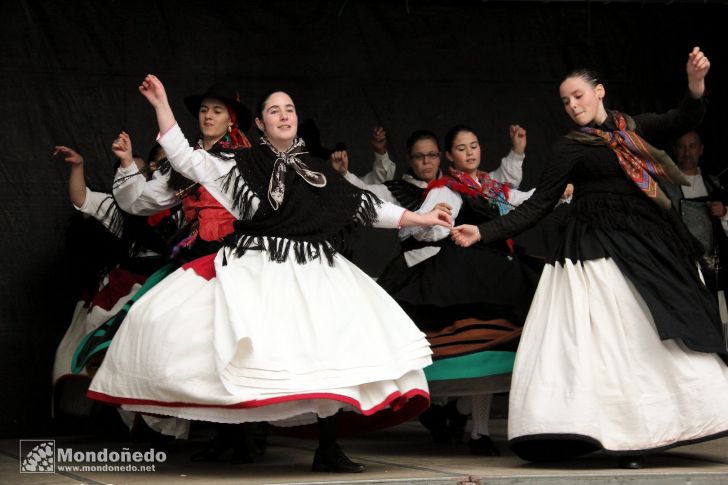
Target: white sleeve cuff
point(130, 170)
point(389, 215)
point(354, 180)
point(86, 202)
point(161, 134)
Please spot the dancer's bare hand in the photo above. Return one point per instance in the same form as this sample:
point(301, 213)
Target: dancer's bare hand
point(121, 147)
point(697, 68)
point(465, 235)
point(340, 161)
point(568, 192)
point(445, 207)
point(153, 89)
point(518, 139)
point(716, 208)
point(69, 155)
point(379, 140)
point(436, 217)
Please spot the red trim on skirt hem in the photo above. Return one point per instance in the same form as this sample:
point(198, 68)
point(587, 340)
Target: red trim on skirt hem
point(395, 409)
point(396, 400)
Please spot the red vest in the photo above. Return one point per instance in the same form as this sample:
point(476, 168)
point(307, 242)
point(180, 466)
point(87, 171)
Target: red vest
point(216, 222)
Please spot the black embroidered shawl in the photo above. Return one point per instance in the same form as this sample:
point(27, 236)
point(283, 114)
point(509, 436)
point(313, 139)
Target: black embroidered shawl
point(312, 220)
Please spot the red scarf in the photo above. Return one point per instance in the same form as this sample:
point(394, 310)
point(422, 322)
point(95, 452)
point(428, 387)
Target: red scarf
point(496, 193)
point(483, 186)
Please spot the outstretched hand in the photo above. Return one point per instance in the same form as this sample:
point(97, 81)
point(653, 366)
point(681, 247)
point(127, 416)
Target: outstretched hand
point(379, 140)
point(444, 206)
point(465, 235)
point(518, 139)
point(568, 192)
point(121, 147)
point(69, 155)
point(716, 208)
point(340, 161)
point(153, 89)
point(697, 68)
point(439, 216)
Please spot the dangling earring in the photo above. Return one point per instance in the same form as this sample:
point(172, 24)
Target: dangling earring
point(230, 128)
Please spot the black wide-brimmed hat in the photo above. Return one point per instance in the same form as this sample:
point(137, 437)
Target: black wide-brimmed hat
point(226, 94)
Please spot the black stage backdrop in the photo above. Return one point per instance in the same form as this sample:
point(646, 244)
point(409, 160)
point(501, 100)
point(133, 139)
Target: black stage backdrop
point(70, 72)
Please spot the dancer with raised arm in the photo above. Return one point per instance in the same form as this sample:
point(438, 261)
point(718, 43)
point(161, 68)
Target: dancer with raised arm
point(264, 330)
point(622, 349)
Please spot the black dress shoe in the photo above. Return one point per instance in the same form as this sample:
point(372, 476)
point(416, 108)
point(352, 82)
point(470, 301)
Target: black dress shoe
point(332, 459)
point(630, 462)
point(483, 446)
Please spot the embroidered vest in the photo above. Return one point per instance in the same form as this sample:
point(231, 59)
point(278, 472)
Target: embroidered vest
point(215, 221)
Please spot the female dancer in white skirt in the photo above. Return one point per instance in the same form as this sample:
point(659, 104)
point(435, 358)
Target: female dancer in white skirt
point(622, 346)
point(276, 326)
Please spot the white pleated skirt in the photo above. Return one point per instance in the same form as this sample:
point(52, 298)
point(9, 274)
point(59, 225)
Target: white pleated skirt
point(590, 364)
point(241, 339)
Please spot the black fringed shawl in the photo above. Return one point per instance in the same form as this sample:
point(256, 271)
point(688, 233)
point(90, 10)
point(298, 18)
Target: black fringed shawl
point(407, 194)
point(311, 220)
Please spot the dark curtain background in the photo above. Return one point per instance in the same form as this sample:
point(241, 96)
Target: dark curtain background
point(69, 74)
